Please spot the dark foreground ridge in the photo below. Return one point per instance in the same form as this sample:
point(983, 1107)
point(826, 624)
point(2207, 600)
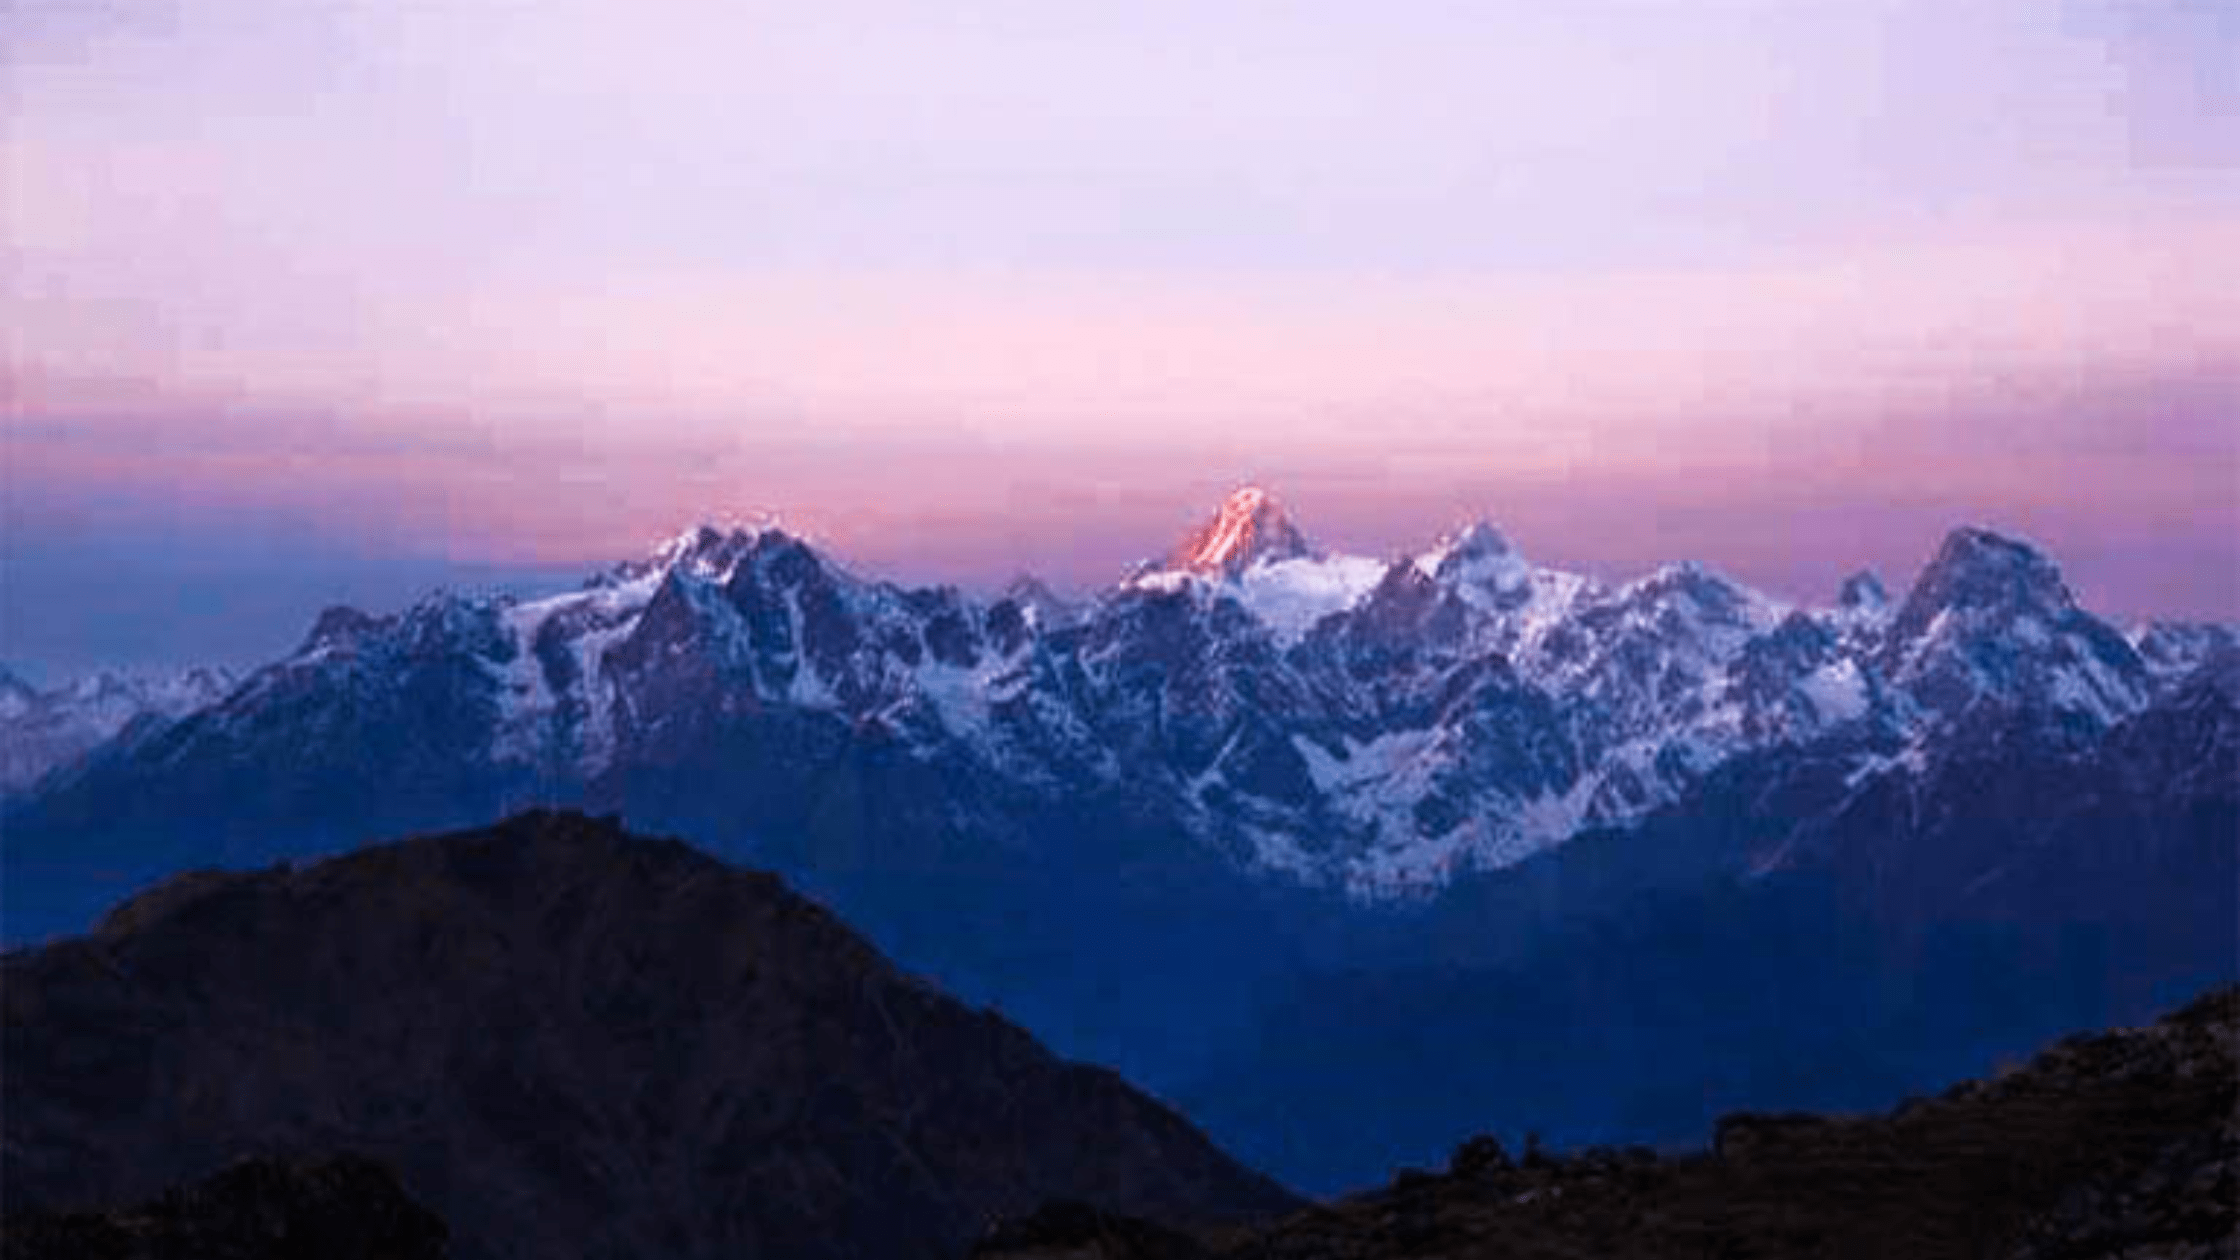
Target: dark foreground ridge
point(333, 1209)
point(566, 1041)
point(2124, 1144)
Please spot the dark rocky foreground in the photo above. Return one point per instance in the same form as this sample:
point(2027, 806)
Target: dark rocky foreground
point(558, 1040)
point(259, 1209)
point(2125, 1144)
point(2122, 1146)
point(566, 1041)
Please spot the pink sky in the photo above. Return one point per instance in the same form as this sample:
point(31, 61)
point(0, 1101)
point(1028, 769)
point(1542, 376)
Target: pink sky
point(1785, 288)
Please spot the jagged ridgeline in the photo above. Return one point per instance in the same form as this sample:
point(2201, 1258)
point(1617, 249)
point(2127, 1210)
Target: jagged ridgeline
point(565, 1041)
point(1374, 727)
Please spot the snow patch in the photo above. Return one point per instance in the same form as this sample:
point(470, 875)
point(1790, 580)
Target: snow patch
point(1290, 596)
point(1164, 581)
point(1838, 692)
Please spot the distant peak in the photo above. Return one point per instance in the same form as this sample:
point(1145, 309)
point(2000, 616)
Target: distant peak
point(715, 547)
point(1024, 586)
point(1976, 568)
point(1863, 592)
point(1249, 527)
point(1477, 553)
point(698, 538)
point(1690, 577)
point(338, 623)
point(1684, 571)
point(1029, 591)
point(1984, 579)
point(1975, 543)
point(1477, 540)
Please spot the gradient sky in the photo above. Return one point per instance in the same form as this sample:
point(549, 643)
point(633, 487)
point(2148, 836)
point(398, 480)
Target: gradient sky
point(333, 301)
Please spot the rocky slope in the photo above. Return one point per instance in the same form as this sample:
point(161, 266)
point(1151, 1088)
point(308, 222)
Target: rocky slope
point(567, 1041)
point(2119, 1144)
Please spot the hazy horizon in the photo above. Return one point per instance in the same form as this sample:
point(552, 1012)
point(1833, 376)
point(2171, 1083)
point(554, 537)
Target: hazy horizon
point(333, 303)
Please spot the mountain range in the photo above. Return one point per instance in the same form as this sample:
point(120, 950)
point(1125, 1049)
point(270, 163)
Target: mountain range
point(1231, 821)
point(1371, 727)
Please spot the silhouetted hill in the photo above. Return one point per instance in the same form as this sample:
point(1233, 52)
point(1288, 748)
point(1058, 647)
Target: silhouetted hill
point(568, 1042)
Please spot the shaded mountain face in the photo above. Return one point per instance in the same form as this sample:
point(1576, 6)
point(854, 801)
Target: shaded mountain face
point(2125, 1143)
point(567, 1041)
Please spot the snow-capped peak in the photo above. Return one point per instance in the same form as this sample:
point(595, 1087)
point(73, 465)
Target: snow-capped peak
point(1477, 540)
point(1477, 556)
point(1990, 618)
point(1711, 594)
point(1043, 607)
point(713, 548)
point(1979, 571)
point(676, 547)
point(1250, 551)
point(1250, 527)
